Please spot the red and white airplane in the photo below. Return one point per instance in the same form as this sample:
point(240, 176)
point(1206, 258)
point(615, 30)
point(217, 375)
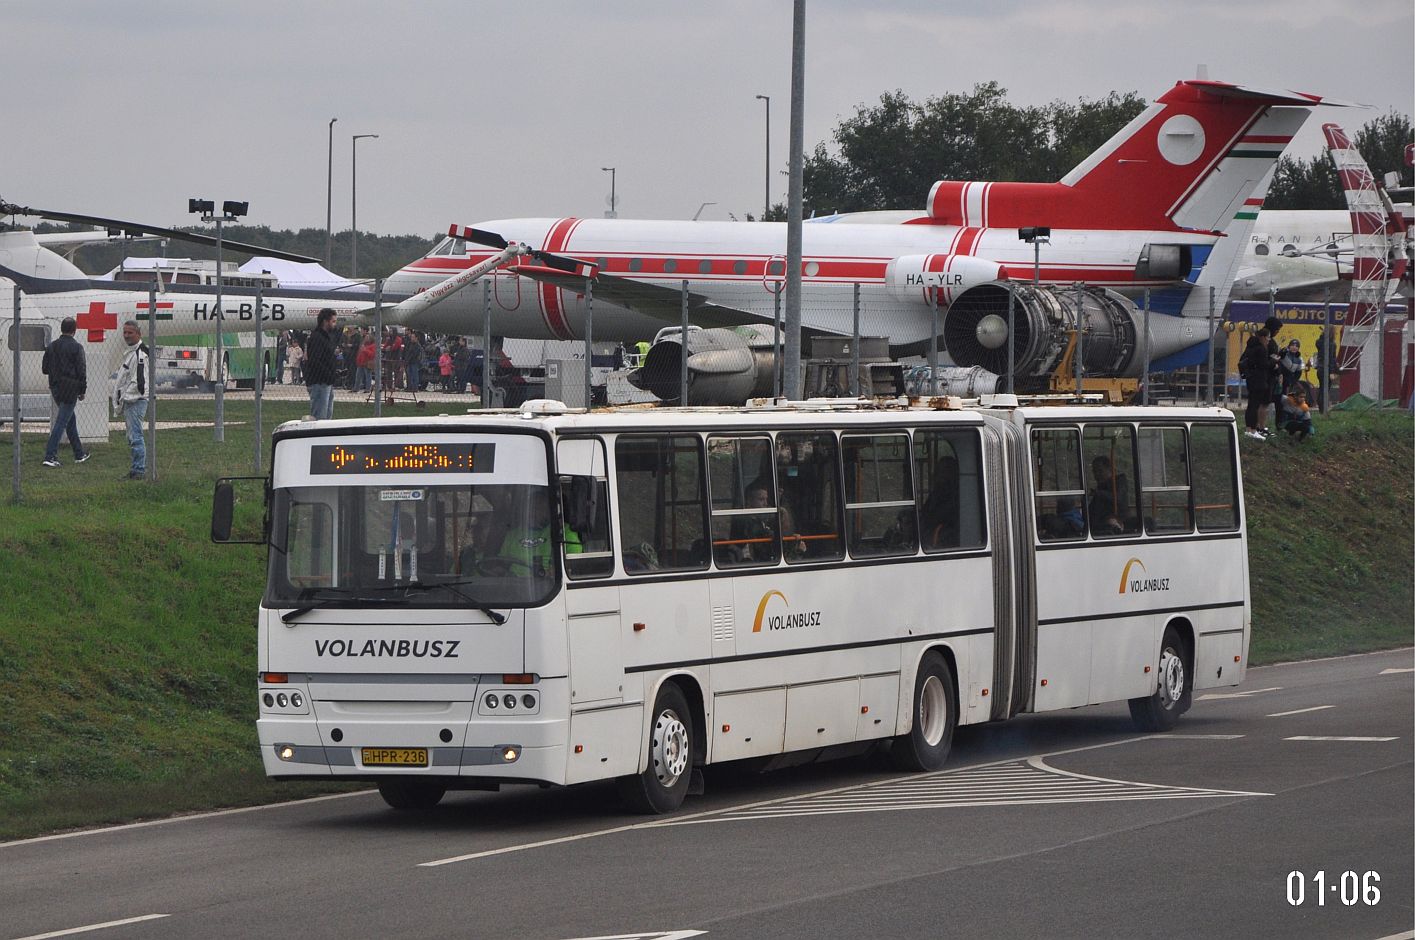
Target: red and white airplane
point(1166, 205)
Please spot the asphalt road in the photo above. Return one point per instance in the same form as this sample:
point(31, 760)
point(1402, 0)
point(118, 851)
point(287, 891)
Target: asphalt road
point(1067, 825)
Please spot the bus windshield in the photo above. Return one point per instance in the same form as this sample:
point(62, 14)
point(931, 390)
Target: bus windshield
point(463, 545)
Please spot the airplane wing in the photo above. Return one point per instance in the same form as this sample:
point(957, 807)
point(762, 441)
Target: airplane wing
point(137, 229)
point(654, 300)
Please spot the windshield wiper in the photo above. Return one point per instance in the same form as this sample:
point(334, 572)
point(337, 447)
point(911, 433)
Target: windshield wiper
point(326, 594)
point(497, 617)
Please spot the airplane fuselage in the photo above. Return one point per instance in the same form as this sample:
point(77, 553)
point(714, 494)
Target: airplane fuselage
point(741, 265)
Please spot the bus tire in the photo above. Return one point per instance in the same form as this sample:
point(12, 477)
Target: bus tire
point(926, 745)
point(406, 794)
point(663, 784)
point(1173, 688)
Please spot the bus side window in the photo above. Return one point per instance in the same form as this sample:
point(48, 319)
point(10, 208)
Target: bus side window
point(662, 503)
point(808, 496)
point(584, 508)
point(1109, 451)
point(1164, 480)
point(1215, 482)
point(879, 495)
point(745, 520)
point(948, 467)
point(1056, 479)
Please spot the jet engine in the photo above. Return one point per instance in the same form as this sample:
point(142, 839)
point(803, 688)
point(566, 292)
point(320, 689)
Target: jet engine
point(723, 367)
point(975, 330)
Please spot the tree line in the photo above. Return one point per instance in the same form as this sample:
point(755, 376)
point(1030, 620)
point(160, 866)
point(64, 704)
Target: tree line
point(887, 155)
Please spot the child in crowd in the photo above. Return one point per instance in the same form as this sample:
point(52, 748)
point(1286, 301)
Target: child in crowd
point(1297, 414)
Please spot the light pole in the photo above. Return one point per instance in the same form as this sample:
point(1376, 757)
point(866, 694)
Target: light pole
point(329, 203)
point(230, 212)
point(1037, 236)
point(354, 202)
point(613, 212)
point(766, 200)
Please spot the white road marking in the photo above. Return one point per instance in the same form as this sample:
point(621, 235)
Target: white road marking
point(1300, 711)
point(1391, 672)
point(1020, 782)
point(1408, 935)
point(1217, 695)
point(680, 820)
point(1316, 737)
point(187, 818)
point(1197, 737)
point(111, 923)
point(669, 935)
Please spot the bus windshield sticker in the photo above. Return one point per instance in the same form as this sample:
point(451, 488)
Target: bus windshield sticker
point(398, 496)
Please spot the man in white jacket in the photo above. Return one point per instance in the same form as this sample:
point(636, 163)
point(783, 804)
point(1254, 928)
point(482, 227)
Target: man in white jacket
point(131, 388)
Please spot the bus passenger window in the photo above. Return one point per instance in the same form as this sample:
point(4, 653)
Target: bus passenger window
point(584, 508)
point(808, 497)
point(1164, 480)
point(1056, 479)
point(1109, 451)
point(310, 544)
point(662, 503)
point(1215, 482)
point(879, 495)
point(948, 467)
point(745, 527)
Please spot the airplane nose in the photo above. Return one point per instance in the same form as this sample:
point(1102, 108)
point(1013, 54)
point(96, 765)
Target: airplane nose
point(991, 331)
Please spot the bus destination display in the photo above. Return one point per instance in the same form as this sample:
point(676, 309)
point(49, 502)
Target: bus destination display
point(347, 459)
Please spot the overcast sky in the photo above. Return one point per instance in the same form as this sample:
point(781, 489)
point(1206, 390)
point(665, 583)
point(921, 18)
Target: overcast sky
point(490, 111)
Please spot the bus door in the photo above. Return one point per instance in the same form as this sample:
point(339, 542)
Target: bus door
point(592, 611)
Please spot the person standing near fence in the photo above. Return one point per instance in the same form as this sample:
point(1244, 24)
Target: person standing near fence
point(320, 365)
point(131, 388)
point(68, 383)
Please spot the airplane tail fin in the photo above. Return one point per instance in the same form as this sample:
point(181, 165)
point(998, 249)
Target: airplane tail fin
point(1189, 161)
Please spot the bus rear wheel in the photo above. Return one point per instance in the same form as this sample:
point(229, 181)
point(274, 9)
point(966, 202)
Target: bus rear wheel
point(411, 794)
point(663, 784)
point(1173, 689)
point(926, 745)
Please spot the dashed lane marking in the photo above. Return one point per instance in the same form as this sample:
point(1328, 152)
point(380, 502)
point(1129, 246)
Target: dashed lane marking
point(1217, 695)
point(1300, 711)
point(111, 923)
point(1319, 737)
point(1391, 672)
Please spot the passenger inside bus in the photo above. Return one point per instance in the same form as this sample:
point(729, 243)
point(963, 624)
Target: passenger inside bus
point(938, 513)
point(1109, 506)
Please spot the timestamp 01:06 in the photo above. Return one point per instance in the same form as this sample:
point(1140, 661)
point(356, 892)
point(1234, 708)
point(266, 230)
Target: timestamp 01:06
point(1350, 887)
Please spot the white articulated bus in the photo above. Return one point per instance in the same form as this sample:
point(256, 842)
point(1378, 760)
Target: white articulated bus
point(555, 597)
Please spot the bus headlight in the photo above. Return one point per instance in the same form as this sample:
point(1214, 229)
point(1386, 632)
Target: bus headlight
point(285, 751)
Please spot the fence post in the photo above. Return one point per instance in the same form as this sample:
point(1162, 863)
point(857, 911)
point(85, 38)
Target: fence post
point(152, 379)
point(259, 386)
point(1011, 353)
point(378, 356)
point(1145, 374)
point(933, 342)
point(1327, 340)
point(486, 345)
point(778, 353)
point(589, 337)
point(855, 348)
point(16, 415)
point(683, 358)
point(1210, 395)
point(1080, 339)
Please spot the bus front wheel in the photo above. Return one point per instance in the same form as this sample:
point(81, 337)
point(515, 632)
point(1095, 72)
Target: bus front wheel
point(1173, 689)
point(411, 794)
point(663, 784)
point(926, 745)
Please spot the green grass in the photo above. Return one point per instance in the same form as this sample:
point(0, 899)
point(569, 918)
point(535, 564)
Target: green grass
point(1330, 545)
point(127, 648)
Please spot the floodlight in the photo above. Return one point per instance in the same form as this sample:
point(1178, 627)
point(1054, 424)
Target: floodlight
point(1032, 233)
point(233, 208)
point(200, 206)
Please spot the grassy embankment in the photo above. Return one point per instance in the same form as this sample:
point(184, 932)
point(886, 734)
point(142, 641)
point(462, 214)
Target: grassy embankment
point(127, 650)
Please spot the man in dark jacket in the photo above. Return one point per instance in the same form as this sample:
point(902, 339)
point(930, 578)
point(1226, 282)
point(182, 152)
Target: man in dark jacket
point(320, 365)
point(68, 383)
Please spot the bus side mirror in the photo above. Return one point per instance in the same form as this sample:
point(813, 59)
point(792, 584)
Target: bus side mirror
point(223, 506)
